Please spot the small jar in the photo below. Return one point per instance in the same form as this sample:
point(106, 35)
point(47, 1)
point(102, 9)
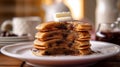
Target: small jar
point(108, 32)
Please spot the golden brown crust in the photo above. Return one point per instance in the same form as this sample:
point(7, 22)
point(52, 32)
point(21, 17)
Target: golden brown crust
point(82, 47)
point(46, 43)
point(51, 26)
point(83, 35)
point(85, 51)
point(40, 47)
point(57, 44)
point(83, 27)
point(43, 36)
point(81, 43)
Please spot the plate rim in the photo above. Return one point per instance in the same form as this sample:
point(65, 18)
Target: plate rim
point(14, 37)
point(61, 57)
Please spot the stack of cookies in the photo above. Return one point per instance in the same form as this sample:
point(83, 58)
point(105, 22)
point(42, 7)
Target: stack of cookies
point(52, 39)
point(62, 38)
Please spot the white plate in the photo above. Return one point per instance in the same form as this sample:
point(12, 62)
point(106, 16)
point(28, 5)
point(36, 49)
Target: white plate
point(4, 43)
point(9, 39)
point(14, 40)
point(23, 51)
point(14, 37)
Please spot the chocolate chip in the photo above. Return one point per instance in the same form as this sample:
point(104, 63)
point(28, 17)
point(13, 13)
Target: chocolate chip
point(67, 52)
point(59, 42)
point(62, 26)
point(50, 45)
point(47, 53)
point(70, 45)
point(65, 35)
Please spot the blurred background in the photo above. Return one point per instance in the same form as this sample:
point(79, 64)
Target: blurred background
point(20, 8)
point(80, 9)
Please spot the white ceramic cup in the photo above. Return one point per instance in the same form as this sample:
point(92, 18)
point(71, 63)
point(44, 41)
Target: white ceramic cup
point(25, 25)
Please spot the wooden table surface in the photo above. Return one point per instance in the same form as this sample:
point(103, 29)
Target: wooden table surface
point(6, 61)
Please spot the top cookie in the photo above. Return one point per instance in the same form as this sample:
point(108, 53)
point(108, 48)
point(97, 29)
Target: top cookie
point(51, 26)
point(82, 27)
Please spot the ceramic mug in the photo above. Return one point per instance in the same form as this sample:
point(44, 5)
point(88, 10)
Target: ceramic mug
point(25, 25)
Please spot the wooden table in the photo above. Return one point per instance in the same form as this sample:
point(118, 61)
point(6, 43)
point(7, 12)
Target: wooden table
point(6, 61)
